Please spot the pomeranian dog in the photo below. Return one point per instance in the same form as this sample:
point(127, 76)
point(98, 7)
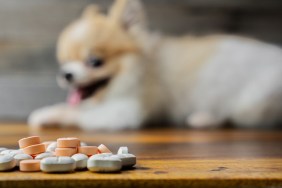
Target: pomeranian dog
point(121, 76)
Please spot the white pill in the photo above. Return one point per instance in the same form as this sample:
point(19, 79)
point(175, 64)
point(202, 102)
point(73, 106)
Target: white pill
point(2, 149)
point(57, 164)
point(123, 150)
point(12, 152)
point(83, 144)
point(44, 155)
point(80, 160)
point(105, 162)
point(52, 147)
point(127, 160)
point(20, 157)
point(7, 162)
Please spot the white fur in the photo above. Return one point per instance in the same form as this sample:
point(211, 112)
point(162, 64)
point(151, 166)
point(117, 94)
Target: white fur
point(238, 81)
point(199, 82)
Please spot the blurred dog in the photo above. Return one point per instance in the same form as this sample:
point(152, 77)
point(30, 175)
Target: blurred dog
point(121, 75)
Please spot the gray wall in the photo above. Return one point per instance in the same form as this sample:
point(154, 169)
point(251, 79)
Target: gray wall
point(29, 29)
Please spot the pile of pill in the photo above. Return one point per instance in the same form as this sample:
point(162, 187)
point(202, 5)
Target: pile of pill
point(63, 155)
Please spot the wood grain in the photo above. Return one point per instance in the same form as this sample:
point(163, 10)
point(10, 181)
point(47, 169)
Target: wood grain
point(166, 158)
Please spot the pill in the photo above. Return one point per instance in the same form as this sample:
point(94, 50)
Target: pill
point(65, 151)
point(3, 149)
point(21, 157)
point(51, 147)
point(123, 150)
point(83, 144)
point(80, 160)
point(30, 165)
point(47, 143)
point(57, 164)
point(34, 149)
point(12, 152)
point(103, 149)
point(44, 155)
point(127, 160)
point(104, 163)
point(68, 142)
point(88, 150)
point(7, 162)
point(28, 141)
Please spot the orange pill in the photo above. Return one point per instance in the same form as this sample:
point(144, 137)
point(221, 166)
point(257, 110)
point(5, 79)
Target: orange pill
point(68, 142)
point(28, 141)
point(34, 149)
point(65, 151)
point(88, 150)
point(103, 149)
point(30, 165)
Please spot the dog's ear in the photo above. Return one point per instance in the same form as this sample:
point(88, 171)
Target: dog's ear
point(128, 13)
point(90, 11)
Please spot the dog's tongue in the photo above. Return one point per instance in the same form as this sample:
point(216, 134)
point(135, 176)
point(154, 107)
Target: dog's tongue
point(74, 97)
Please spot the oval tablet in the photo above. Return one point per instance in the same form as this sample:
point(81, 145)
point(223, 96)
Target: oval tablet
point(68, 142)
point(12, 152)
point(30, 165)
point(57, 164)
point(7, 162)
point(80, 160)
point(34, 149)
point(65, 151)
point(88, 150)
point(103, 149)
point(28, 141)
point(44, 155)
point(51, 147)
point(104, 163)
point(47, 143)
point(21, 157)
point(3, 149)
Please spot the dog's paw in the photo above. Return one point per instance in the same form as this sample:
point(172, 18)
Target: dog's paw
point(109, 121)
point(202, 120)
point(42, 117)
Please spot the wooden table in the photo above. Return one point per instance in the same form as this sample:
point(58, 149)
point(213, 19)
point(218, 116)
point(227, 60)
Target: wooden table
point(166, 158)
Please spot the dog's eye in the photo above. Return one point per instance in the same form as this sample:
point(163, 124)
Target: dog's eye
point(95, 62)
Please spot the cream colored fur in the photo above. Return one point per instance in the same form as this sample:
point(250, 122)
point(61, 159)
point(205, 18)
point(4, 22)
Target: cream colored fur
point(198, 81)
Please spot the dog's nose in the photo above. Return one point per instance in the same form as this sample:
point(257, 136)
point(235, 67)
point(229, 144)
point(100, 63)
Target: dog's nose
point(68, 77)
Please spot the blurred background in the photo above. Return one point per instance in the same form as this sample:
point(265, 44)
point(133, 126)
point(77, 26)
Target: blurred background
point(29, 29)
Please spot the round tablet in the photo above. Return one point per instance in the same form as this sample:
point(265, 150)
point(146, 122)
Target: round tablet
point(104, 163)
point(88, 150)
point(51, 147)
point(34, 149)
point(28, 141)
point(65, 151)
point(123, 150)
point(21, 157)
point(83, 144)
point(57, 164)
point(7, 162)
point(30, 165)
point(127, 160)
point(103, 149)
point(44, 155)
point(80, 160)
point(68, 142)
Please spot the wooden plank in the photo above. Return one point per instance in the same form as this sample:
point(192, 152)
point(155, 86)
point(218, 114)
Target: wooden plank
point(166, 158)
